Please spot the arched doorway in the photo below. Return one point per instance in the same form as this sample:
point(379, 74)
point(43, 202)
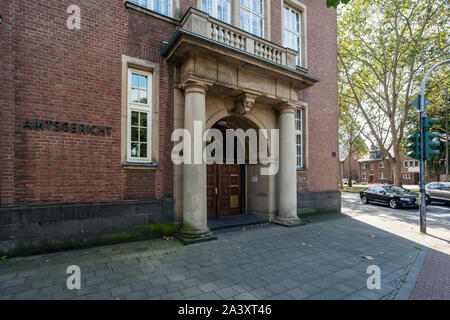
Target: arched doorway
point(226, 183)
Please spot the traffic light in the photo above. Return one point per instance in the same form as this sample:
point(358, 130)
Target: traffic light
point(428, 122)
point(430, 145)
point(414, 146)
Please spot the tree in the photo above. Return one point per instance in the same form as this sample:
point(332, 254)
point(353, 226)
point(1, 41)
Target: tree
point(335, 3)
point(384, 49)
point(350, 130)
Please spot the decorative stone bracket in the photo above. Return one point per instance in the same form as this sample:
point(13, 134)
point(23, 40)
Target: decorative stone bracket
point(244, 103)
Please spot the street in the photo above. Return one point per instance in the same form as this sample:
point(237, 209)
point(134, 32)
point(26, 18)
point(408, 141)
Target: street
point(325, 259)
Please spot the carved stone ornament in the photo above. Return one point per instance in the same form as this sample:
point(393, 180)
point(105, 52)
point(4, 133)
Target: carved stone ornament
point(244, 103)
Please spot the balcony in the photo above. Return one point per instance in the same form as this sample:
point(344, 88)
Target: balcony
point(202, 24)
point(234, 61)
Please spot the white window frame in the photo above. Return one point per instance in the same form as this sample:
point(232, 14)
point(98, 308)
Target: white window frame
point(151, 5)
point(382, 176)
point(364, 166)
point(407, 176)
point(214, 12)
point(405, 164)
point(297, 34)
point(381, 165)
point(364, 176)
point(299, 132)
point(139, 107)
point(252, 13)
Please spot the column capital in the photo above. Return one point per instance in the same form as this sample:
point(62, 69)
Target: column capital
point(286, 107)
point(194, 84)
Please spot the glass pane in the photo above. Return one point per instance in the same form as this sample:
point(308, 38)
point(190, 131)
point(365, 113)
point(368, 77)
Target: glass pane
point(134, 149)
point(134, 118)
point(257, 6)
point(143, 153)
point(143, 134)
point(134, 80)
point(134, 134)
point(134, 95)
point(143, 122)
point(143, 82)
point(143, 96)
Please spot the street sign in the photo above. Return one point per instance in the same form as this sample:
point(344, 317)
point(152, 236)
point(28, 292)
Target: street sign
point(416, 102)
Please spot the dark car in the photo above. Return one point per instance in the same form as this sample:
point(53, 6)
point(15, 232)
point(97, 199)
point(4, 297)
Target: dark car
point(394, 196)
point(438, 191)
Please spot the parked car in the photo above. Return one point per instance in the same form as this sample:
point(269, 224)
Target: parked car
point(394, 196)
point(438, 191)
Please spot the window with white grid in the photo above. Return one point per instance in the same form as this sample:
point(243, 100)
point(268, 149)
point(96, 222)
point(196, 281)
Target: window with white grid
point(139, 116)
point(252, 16)
point(219, 9)
point(292, 31)
point(299, 142)
point(161, 6)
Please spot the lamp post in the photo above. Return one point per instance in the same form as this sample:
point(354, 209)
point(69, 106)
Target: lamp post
point(423, 221)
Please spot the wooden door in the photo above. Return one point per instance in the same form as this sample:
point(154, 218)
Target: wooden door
point(224, 189)
point(230, 189)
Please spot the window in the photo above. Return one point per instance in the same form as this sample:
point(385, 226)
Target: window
point(299, 137)
point(416, 163)
point(382, 175)
point(371, 166)
point(161, 6)
point(405, 164)
point(411, 163)
point(292, 31)
point(252, 16)
point(364, 166)
point(407, 176)
point(364, 176)
point(219, 9)
point(380, 165)
point(139, 116)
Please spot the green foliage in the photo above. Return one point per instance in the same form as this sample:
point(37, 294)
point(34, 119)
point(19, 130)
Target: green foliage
point(335, 3)
point(4, 259)
point(385, 48)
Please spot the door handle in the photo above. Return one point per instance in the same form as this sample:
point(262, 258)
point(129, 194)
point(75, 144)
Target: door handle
point(216, 190)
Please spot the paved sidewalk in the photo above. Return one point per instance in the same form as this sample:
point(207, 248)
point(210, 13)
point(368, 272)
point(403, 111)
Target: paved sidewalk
point(322, 260)
point(434, 279)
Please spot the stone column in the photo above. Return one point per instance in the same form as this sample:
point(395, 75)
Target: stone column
point(195, 227)
point(287, 174)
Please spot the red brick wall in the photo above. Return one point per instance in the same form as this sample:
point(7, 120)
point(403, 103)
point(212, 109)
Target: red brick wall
point(51, 72)
point(322, 102)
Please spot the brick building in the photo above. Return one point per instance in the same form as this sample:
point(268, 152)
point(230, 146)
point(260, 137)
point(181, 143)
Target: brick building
point(372, 169)
point(345, 158)
point(88, 110)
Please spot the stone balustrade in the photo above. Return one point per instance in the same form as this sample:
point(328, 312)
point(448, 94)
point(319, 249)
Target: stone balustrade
point(203, 24)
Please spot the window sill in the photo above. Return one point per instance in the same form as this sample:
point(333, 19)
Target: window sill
point(135, 7)
point(302, 170)
point(129, 166)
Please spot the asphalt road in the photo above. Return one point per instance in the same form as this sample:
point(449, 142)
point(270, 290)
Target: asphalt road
point(437, 214)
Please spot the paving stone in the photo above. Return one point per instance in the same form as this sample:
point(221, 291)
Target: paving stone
point(226, 293)
point(191, 292)
point(118, 291)
point(207, 287)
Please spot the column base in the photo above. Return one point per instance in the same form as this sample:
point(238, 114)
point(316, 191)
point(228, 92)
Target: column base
point(289, 222)
point(189, 235)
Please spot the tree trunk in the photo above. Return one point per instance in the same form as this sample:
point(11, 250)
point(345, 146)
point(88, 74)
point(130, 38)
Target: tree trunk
point(397, 170)
point(341, 169)
point(349, 170)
